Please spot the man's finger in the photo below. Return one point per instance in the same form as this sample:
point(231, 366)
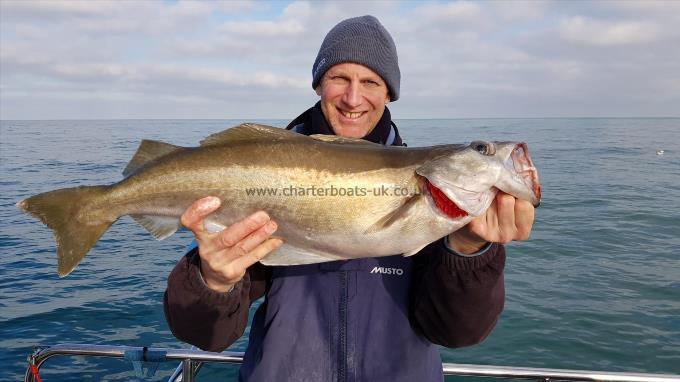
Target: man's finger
point(488, 224)
point(258, 253)
point(524, 219)
point(238, 231)
point(193, 217)
point(256, 238)
point(506, 217)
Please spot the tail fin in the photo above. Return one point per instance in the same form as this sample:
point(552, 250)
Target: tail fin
point(60, 210)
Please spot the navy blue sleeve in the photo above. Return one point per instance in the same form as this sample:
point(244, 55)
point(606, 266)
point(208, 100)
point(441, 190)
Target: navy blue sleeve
point(456, 300)
point(206, 318)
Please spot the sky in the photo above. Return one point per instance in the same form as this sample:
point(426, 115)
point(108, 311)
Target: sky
point(141, 59)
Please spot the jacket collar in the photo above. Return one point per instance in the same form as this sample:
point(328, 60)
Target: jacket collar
point(315, 123)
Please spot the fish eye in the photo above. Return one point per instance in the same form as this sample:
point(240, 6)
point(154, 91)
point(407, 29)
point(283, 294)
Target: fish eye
point(484, 148)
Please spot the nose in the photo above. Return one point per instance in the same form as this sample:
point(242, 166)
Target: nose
point(352, 96)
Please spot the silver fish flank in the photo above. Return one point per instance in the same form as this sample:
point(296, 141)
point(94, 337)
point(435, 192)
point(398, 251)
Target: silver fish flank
point(333, 198)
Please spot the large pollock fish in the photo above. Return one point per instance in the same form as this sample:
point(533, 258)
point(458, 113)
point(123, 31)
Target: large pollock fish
point(333, 198)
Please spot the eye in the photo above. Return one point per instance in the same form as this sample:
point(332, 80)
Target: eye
point(337, 79)
point(484, 148)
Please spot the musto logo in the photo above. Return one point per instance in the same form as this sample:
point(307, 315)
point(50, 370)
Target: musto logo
point(388, 271)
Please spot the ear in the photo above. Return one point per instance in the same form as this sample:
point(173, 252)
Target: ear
point(318, 89)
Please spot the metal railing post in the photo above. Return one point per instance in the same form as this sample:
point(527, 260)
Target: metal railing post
point(187, 370)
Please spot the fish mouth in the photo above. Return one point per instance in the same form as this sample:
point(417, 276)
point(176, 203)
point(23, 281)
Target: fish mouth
point(445, 205)
point(519, 161)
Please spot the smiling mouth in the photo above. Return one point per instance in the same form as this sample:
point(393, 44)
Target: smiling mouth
point(445, 205)
point(351, 115)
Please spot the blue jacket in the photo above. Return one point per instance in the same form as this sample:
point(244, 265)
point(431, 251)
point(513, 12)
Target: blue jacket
point(372, 319)
point(339, 321)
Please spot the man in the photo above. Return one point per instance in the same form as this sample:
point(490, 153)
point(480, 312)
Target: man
point(344, 320)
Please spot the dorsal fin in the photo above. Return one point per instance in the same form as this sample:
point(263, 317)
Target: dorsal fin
point(249, 132)
point(147, 151)
point(342, 140)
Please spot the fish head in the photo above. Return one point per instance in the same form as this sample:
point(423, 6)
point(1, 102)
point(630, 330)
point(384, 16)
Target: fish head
point(465, 180)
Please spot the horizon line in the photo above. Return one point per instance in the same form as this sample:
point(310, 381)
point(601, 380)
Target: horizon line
point(286, 119)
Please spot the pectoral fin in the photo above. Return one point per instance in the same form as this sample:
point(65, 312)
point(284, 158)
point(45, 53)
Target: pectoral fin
point(395, 215)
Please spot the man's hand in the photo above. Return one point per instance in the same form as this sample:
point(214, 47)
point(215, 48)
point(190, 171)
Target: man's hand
point(226, 255)
point(507, 219)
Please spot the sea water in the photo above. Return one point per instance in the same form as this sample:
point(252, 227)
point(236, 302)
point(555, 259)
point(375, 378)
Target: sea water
point(596, 287)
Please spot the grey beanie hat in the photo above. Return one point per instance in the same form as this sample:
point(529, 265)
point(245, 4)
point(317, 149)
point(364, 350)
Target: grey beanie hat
point(362, 40)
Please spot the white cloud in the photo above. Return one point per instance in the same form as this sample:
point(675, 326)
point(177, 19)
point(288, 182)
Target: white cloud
point(589, 31)
point(657, 8)
point(520, 10)
point(464, 11)
point(217, 59)
point(284, 28)
point(39, 8)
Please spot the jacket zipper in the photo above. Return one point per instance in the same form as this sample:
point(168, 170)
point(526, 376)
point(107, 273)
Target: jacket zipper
point(342, 326)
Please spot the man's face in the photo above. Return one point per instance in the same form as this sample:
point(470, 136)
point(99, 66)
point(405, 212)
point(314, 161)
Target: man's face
point(353, 99)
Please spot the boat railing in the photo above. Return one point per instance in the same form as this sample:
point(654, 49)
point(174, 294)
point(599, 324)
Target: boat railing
point(192, 359)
